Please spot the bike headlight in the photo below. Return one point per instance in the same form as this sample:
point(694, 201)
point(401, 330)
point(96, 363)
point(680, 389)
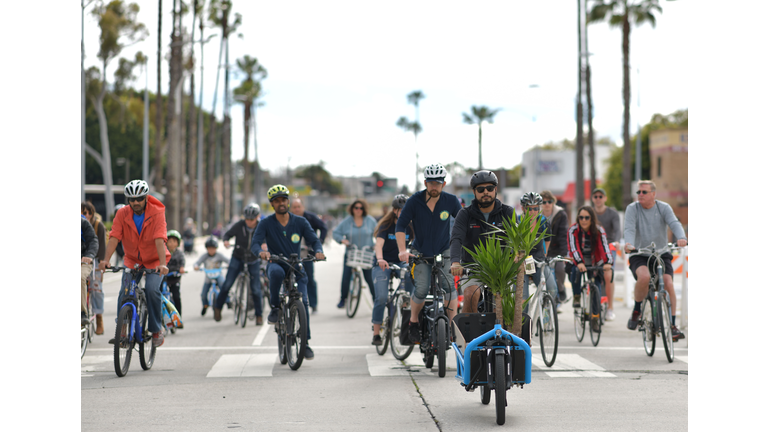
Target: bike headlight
point(439, 259)
point(498, 332)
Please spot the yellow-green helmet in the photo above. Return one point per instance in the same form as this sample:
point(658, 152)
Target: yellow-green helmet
point(277, 191)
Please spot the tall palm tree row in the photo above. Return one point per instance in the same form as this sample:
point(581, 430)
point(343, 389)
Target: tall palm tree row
point(479, 115)
point(403, 123)
point(248, 93)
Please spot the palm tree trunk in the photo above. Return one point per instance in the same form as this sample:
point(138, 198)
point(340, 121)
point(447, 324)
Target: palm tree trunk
point(517, 325)
point(627, 156)
point(579, 129)
point(226, 143)
point(590, 131)
point(480, 144)
point(257, 187)
point(211, 198)
point(159, 104)
point(106, 167)
point(246, 164)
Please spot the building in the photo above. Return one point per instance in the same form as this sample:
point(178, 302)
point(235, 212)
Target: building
point(669, 169)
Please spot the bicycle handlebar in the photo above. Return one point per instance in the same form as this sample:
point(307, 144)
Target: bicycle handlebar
point(652, 249)
point(548, 260)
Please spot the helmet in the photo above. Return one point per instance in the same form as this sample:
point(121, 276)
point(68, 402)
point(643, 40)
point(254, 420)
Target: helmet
point(399, 201)
point(175, 234)
point(211, 242)
point(481, 177)
point(251, 211)
point(136, 188)
point(277, 191)
point(434, 172)
point(118, 207)
point(531, 199)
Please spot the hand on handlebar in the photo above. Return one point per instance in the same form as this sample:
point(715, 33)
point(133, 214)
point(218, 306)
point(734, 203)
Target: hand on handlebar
point(264, 255)
point(383, 264)
point(628, 248)
point(163, 270)
point(86, 260)
point(582, 268)
point(456, 269)
point(226, 244)
point(320, 256)
point(405, 256)
point(682, 242)
point(103, 265)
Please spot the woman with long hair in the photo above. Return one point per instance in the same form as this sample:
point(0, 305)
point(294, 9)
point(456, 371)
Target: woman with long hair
point(97, 295)
point(355, 230)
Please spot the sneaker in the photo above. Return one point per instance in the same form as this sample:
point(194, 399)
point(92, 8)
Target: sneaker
point(216, 314)
point(610, 316)
point(259, 320)
point(272, 318)
point(111, 341)
point(341, 304)
point(576, 301)
point(314, 310)
point(376, 340)
point(559, 308)
point(157, 339)
point(308, 354)
point(633, 320)
point(677, 334)
point(414, 335)
point(562, 296)
point(205, 309)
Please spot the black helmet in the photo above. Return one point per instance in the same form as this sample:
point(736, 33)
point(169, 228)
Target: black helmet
point(481, 177)
point(399, 201)
point(211, 242)
point(531, 199)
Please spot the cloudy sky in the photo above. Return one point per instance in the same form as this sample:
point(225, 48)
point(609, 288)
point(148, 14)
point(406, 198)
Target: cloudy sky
point(339, 73)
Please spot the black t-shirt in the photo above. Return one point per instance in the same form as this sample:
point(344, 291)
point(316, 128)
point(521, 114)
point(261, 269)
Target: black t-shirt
point(389, 251)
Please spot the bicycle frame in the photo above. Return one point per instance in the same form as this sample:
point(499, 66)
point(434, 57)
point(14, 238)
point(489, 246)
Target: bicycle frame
point(498, 335)
point(436, 309)
point(134, 296)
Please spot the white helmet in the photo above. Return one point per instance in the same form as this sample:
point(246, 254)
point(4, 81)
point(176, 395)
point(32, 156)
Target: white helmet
point(136, 188)
point(435, 172)
point(251, 211)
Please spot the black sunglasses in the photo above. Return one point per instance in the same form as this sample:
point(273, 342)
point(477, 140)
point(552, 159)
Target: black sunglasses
point(585, 217)
point(597, 197)
point(136, 199)
point(643, 192)
point(357, 208)
point(482, 189)
point(548, 202)
point(532, 208)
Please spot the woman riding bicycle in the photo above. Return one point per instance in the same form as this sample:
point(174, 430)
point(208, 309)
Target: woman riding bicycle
point(355, 230)
point(587, 246)
point(386, 252)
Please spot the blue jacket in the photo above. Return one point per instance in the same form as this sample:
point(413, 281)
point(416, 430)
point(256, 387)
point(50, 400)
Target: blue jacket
point(359, 237)
point(284, 240)
point(432, 229)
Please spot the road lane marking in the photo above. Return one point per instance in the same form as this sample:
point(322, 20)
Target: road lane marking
point(262, 334)
point(682, 358)
point(243, 365)
point(573, 366)
point(385, 366)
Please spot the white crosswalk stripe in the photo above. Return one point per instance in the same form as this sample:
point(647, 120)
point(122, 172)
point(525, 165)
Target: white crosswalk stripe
point(243, 365)
point(571, 366)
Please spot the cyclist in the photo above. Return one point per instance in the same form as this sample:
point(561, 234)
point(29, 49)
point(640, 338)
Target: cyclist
point(189, 235)
point(646, 221)
point(471, 225)
point(141, 227)
point(297, 208)
point(532, 203)
point(97, 295)
point(176, 264)
point(609, 219)
point(429, 210)
point(282, 233)
point(212, 260)
point(588, 246)
point(356, 229)
point(557, 218)
point(242, 231)
point(89, 246)
point(386, 252)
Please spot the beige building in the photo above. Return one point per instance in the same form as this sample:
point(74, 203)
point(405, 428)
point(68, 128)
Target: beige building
point(669, 169)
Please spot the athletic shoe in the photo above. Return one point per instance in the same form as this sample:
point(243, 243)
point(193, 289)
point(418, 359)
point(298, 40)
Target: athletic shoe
point(205, 309)
point(576, 301)
point(377, 340)
point(341, 304)
point(610, 316)
point(414, 335)
point(677, 334)
point(308, 354)
point(633, 320)
point(314, 310)
point(272, 318)
point(157, 339)
point(259, 320)
point(559, 308)
point(216, 314)
point(562, 296)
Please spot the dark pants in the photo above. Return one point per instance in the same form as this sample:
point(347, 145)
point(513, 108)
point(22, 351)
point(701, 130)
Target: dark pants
point(174, 286)
point(309, 267)
point(235, 267)
point(276, 274)
point(346, 278)
point(576, 284)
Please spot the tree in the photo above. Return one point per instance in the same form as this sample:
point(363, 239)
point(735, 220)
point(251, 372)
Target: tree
point(119, 29)
point(247, 94)
point(319, 179)
point(413, 126)
point(620, 13)
point(479, 115)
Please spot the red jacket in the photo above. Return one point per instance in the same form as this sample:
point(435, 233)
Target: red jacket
point(599, 247)
point(141, 249)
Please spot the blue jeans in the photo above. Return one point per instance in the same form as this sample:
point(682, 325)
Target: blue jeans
point(152, 283)
point(346, 278)
point(97, 295)
point(576, 281)
point(235, 267)
point(309, 267)
point(276, 274)
point(381, 285)
point(207, 287)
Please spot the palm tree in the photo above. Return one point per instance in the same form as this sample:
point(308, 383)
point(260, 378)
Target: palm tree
point(247, 93)
point(479, 115)
point(620, 13)
point(408, 126)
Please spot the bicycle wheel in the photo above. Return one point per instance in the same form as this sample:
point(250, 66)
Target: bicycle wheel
point(500, 388)
point(442, 346)
point(646, 327)
point(241, 311)
point(384, 333)
point(355, 292)
point(665, 327)
point(485, 394)
point(281, 337)
point(264, 293)
point(123, 341)
point(594, 322)
point(427, 345)
point(400, 351)
point(146, 348)
point(296, 336)
point(84, 337)
point(548, 330)
point(578, 319)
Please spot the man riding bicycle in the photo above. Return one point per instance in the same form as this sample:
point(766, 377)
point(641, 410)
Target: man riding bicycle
point(141, 228)
point(470, 226)
point(283, 231)
point(646, 222)
point(242, 231)
point(430, 211)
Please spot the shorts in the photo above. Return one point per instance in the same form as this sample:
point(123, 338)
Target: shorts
point(421, 280)
point(642, 261)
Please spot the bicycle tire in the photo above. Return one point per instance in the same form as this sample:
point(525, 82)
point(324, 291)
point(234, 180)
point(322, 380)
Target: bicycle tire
point(355, 292)
point(296, 341)
point(123, 341)
point(265, 294)
point(84, 337)
point(399, 351)
point(665, 327)
point(485, 394)
point(548, 330)
point(281, 337)
point(384, 333)
point(646, 323)
point(594, 324)
point(578, 319)
point(427, 343)
point(442, 346)
point(147, 349)
point(212, 294)
point(242, 302)
point(500, 388)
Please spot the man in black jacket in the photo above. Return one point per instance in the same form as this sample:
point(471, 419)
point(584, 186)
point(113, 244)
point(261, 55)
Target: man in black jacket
point(297, 208)
point(469, 226)
point(556, 243)
point(89, 245)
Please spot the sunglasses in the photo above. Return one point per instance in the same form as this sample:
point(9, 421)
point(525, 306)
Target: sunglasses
point(482, 189)
point(139, 199)
point(533, 209)
point(357, 208)
point(585, 217)
point(548, 202)
point(597, 197)
point(643, 192)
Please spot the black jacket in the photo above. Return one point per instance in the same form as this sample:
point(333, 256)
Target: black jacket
point(242, 242)
point(470, 225)
point(317, 224)
point(89, 244)
point(558, 227)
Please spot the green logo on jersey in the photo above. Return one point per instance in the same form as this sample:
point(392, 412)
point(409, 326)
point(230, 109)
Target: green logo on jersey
point(444, 215)
point(295, 238)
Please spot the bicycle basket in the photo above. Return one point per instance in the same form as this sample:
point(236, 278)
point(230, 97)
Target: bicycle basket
point(362, 258)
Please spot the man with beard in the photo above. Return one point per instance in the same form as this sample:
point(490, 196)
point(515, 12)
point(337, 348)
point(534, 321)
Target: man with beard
point(283, 232)
point(430, 211)
point(484, 212)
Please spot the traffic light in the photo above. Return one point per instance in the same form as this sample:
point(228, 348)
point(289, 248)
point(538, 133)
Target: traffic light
point(379, 186)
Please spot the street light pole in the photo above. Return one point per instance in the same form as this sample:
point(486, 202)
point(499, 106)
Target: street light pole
point(82, 100)
point(145, 141)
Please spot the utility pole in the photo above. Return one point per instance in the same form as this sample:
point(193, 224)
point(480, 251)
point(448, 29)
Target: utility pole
point(579, 128)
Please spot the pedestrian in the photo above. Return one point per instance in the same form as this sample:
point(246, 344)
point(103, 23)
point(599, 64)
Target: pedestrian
point(97, 294)
point(611, 223)
point(317, 224)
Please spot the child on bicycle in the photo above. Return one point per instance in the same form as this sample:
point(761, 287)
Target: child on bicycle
point(210, 260)
point(176, 264)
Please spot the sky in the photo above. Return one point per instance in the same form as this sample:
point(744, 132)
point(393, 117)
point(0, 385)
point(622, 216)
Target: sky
point(340, 71)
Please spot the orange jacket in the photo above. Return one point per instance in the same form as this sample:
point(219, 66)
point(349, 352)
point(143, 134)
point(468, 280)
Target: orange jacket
point(141, 249)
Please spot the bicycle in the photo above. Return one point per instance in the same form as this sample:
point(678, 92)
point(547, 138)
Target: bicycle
point(264, 288)
point(656, 311)
point(291, 325)
point(242, 299)
point(132, 324)
point(392, 315)
point(590, 309)
point(171, 318)
point(212, 275)
point(544, 314)
point(359, 260)
point(87, 331)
